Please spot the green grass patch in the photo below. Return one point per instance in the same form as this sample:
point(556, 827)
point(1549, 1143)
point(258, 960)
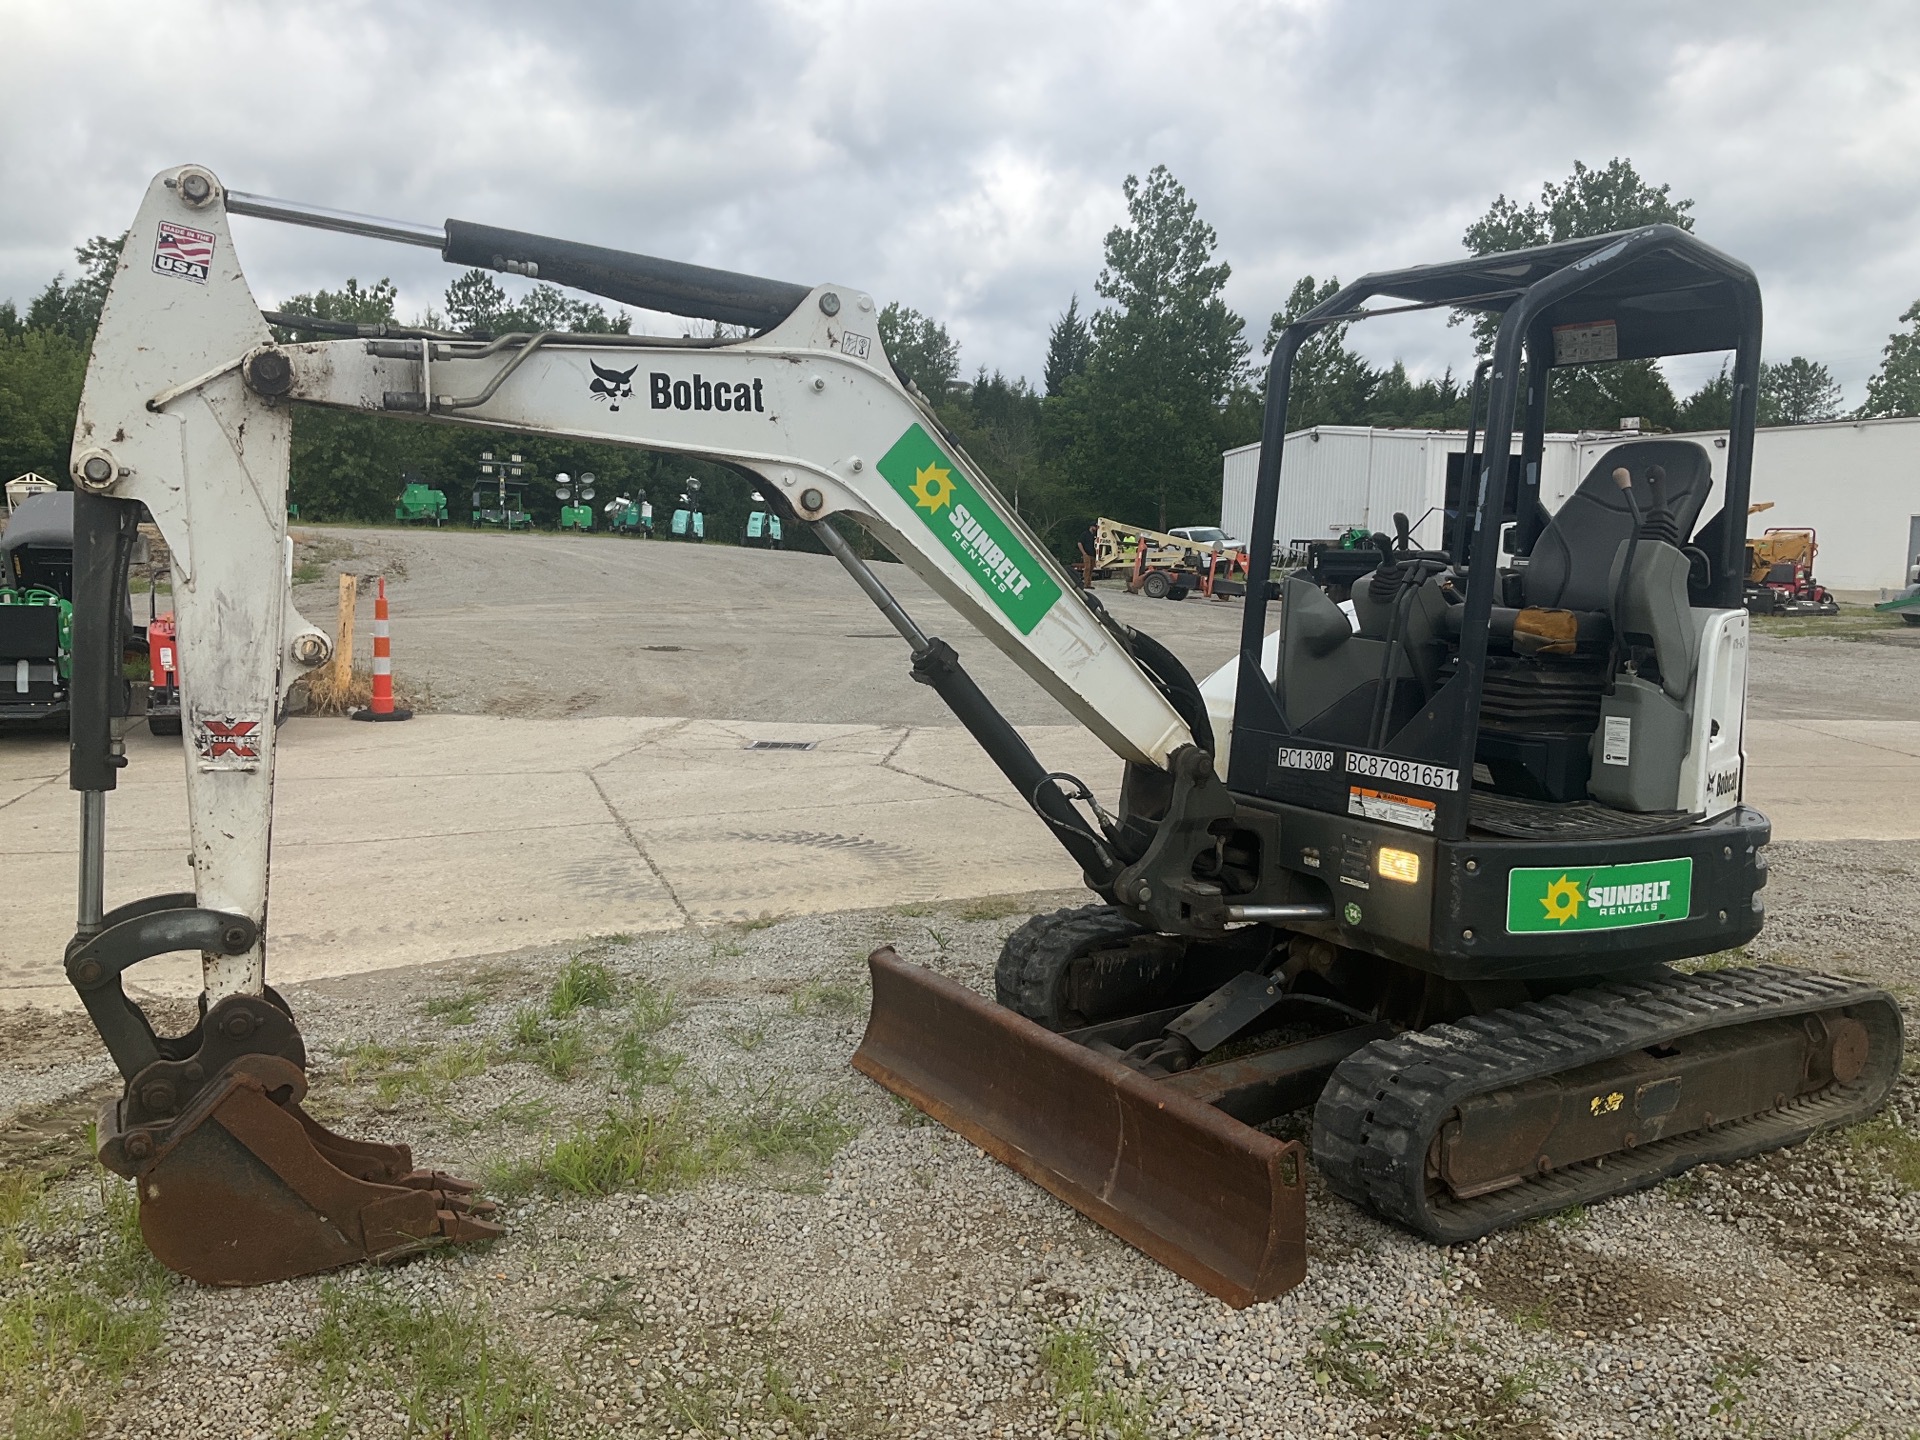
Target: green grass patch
point(1889, 1147)
point(461, 1009)
point(757, 922)
point(1682, 1187)
point(1854, 622)
point(637, 1057)
point(623, 1150)
point(23, 1197)
point(1072, 1358)
point(820, 998)
point(783, 1404)
point(1537, 1316)
point(651, 1009)
point(529, 1029)
point(306, 572)
point(1514, 1387)
point(1729, 1379)
point(1718, 960)
point(1344, 1353)
point(749, 1037)
point(440, 1364)
point(908, 1113)
point(397, 1072)
point(639, 1060)
point(584, 984)
point(1574, 1217)
point(994, 907)
point(564, 1054)
point(69, 1336)
point(653, 1150)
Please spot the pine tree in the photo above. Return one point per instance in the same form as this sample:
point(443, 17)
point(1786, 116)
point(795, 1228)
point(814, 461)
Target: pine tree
point(1069, 347)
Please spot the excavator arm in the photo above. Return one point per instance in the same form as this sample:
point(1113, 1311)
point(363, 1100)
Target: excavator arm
point(187, 410)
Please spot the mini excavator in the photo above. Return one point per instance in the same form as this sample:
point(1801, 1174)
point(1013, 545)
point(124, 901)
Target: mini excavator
point(1424, 873)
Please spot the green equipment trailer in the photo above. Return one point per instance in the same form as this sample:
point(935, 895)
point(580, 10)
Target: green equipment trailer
point(421, 505)
point(1906, 605)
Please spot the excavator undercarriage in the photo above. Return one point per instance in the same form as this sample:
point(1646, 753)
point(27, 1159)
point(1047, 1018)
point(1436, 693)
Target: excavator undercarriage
point(1427, 868)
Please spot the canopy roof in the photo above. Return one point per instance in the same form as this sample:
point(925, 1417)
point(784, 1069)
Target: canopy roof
point(1664, 292)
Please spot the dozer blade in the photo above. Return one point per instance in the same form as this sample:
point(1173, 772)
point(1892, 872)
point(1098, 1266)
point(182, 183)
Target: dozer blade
point(247, 1188)
point(1210, 1198)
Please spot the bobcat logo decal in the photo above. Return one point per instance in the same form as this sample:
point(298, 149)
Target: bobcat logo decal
point(612, 386)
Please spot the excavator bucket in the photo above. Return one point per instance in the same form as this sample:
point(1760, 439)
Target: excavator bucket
point(247, 1188)
point(1210, 1198)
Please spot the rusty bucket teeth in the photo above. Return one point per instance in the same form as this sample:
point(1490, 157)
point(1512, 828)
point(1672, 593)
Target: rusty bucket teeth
point(246, 1188)
point(1214, 1200)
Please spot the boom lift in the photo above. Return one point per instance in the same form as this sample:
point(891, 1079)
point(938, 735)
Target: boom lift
point(1473, 982)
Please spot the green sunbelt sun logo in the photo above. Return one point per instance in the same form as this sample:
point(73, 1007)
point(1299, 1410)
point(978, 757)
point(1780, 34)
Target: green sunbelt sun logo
point(1553, 899)
point(959, 516)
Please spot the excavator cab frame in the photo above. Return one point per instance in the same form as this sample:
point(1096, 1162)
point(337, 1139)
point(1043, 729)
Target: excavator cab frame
point(1417, 770)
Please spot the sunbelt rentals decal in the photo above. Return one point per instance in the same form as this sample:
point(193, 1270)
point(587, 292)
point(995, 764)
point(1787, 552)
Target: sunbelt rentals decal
point(1552, 900)
point(959, 516)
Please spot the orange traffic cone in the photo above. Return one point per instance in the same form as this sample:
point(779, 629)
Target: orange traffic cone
point(382, 707)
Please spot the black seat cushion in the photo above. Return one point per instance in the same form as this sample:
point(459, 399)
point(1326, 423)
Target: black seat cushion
point(1574, 555)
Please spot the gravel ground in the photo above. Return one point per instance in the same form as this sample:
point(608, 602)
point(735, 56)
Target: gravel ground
point(842, 1268)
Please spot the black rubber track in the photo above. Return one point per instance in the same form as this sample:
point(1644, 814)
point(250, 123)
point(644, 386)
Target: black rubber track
point(1030, 977)
point(1379, 1113)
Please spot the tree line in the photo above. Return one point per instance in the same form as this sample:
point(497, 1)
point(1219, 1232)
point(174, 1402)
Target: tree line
point(1140, 391)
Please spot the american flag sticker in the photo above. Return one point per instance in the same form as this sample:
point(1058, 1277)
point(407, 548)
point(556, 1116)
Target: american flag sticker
point(180, 251)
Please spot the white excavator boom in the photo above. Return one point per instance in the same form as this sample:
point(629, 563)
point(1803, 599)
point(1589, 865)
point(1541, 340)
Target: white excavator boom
point(187, 408)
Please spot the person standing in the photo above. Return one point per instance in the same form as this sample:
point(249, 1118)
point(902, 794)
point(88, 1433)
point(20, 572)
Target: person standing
point(1089, 554)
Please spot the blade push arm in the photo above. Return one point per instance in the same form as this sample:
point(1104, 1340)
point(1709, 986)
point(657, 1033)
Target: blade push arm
point(187, 405)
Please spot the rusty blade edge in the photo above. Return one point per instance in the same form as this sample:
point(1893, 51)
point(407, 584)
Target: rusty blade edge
point(1273, 1274)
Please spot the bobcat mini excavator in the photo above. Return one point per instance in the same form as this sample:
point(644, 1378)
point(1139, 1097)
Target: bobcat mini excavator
point(1426, 872)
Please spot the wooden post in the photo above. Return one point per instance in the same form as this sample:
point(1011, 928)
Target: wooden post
point(339, 677)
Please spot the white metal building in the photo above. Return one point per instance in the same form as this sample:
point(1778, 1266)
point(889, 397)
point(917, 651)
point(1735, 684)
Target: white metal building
point(1856, 482)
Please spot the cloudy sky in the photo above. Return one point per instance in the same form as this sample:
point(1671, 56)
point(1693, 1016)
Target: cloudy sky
point(966, 159)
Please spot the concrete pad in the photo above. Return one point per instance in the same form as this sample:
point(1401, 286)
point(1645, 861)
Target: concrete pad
point(378, 904)
point(12, 790)
point(461, 835)
point(847, 857)
point(459, 745)
point(454, 836)
point(32, 757)
point(1835, 779)
point(949, 757)
point(1898, 737)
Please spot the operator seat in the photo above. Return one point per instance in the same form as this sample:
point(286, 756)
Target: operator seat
point(1571, 567)
point(1331, 674)
point(1331, 669)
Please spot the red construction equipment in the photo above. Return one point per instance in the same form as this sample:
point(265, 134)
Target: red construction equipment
point(382, 707)
point(163, 680)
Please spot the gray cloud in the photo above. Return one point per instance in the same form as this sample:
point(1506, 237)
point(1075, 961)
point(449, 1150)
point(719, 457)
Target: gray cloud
point(966, 159)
